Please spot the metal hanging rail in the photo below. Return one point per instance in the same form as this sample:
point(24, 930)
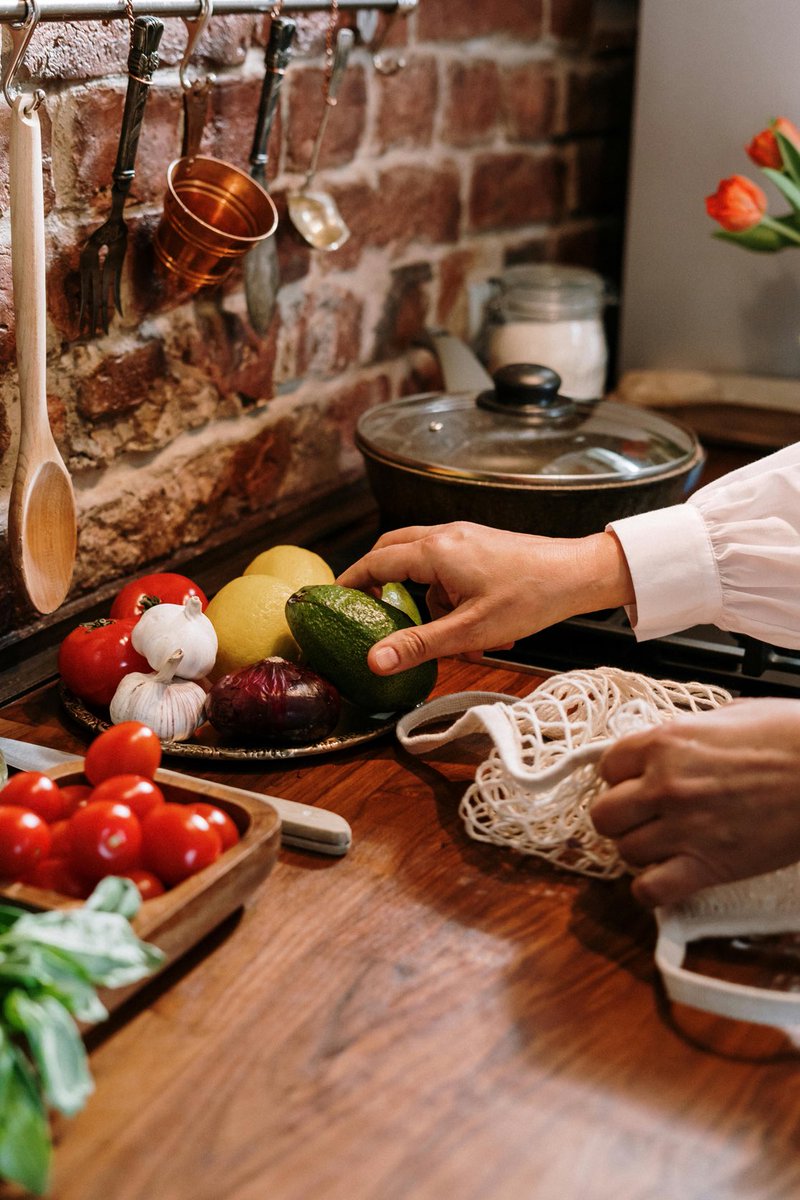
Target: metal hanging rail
point(17, 11)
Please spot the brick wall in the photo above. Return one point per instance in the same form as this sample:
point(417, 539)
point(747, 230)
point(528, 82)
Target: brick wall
point(503, 140)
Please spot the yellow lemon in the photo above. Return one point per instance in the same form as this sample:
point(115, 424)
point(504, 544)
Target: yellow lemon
point(294, 564)
point(249, 619)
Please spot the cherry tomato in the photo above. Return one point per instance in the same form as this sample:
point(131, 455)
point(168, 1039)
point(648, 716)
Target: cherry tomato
point(60, 839)
point(160, 588)
point(75, 796)
point(95, 656)
point(24, 840)
point(177, 842)
point(38, 792)
point(129, 748)
point(219, 820)
point(57, 875)
point(149, 885)
point(105, 838)
point(139, 793)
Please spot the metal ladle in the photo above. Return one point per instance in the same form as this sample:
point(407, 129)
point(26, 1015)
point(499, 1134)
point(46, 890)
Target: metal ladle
point(314, 214)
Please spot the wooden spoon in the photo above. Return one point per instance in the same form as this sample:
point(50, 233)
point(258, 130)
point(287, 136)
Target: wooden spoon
point(42, 524)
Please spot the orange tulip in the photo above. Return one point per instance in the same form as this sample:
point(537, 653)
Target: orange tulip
point(764, 148)
point(737, 204)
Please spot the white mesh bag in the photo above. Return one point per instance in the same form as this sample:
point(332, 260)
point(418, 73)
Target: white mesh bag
point(533, 791)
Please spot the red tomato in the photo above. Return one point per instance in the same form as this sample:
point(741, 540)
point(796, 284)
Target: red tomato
point(177, 842)
point(38, 792)
point(161, 588)
point(57, 875)
point(24, 840)
point(139, 793)
point(94, 657)
point(60, 839)
point(105, 838)
point(219, 820)
point(75, 796)
point(129, 748)
point(149, 885)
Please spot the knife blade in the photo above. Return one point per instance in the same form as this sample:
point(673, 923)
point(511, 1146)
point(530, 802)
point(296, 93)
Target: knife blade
point(302, 825)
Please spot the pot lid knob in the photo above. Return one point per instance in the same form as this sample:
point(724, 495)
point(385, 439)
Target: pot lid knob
point(528, 390)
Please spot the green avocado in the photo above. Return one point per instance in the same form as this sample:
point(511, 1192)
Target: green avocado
point(335, 627)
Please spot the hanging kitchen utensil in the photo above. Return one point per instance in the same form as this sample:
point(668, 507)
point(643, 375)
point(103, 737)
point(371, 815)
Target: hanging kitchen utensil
point(367, 23)
point(42, 526)
point(104, 253)
point(261, 263)
point(213, 212)
point(196, 92)
point(314, 214)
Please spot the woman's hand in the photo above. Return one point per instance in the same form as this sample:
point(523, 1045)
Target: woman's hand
point(706, 798)
point(487, 587)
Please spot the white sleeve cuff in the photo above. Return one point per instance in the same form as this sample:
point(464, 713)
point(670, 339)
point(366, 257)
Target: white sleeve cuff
point(675, 577)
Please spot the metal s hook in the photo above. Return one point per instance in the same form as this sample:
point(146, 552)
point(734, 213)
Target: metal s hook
point(20, 37)
point(195, 27)
point(382, 64)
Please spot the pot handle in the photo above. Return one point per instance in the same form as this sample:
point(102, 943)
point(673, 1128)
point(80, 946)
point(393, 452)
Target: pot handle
point(461, 370)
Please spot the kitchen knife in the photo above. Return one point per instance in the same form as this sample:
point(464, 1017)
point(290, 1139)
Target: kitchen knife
point(301, 825)
point(261, 264)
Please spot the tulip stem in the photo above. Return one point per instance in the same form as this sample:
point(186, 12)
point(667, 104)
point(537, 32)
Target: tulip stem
point(785, 231)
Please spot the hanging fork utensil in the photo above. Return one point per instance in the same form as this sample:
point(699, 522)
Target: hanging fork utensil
point(101, 273)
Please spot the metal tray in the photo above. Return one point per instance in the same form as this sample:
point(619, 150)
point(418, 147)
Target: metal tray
point(354, 729)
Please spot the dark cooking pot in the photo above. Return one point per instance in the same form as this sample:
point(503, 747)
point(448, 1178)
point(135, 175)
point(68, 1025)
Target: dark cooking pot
point(521, 456)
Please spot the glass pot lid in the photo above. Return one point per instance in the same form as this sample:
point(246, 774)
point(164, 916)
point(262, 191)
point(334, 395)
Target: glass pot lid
point(523, 432)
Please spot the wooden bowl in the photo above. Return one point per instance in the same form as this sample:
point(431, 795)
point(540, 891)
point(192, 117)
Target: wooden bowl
point(187, 912)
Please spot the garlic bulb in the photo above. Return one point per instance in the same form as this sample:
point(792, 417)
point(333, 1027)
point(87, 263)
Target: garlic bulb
point(172, 708)
point(166, 628)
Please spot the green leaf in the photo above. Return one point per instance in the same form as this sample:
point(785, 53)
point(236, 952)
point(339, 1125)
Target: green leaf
point(8, 915)
point(43, 970)
point(56, 1048)
point(758, 238)
point(102, 943)
point(787, 186)
point(117, 895)
point(24, 1130)
point(790, 156)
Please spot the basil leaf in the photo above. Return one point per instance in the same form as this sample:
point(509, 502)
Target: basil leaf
point(8, 915)
point(24, 1131)
point(56, 1048)
point(43, 970)
point(115, 894)
point(103, 943)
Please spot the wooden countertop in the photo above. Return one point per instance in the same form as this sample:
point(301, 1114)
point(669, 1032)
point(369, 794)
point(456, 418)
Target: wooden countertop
point(427, 1016)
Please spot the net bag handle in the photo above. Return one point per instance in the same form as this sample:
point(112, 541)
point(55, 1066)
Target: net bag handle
point(738, 1001)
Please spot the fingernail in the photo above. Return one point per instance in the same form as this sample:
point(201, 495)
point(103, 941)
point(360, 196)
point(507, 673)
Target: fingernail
point(386, 658)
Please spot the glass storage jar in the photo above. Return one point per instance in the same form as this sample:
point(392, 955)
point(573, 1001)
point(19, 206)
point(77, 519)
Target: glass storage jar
point(553, 316)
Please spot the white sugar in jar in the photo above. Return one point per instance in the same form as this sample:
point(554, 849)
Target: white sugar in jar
point(550, 315)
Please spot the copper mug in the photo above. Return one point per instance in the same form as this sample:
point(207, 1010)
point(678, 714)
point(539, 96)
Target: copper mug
point(213, 214)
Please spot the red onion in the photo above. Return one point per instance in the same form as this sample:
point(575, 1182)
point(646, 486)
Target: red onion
point(274, 702)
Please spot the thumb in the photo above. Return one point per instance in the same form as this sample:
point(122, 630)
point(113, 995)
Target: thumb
point(399, 651)
point(419, 643)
